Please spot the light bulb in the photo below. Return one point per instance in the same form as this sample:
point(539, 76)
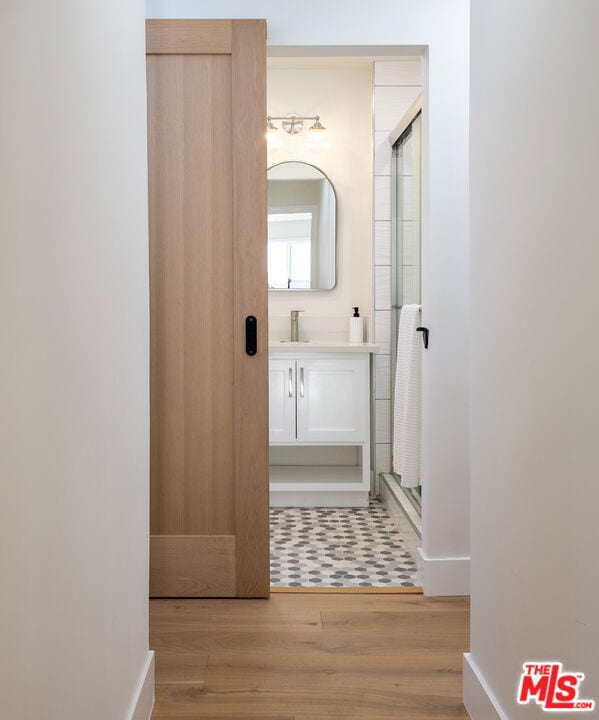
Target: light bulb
point(273, 138)
point(318, 137)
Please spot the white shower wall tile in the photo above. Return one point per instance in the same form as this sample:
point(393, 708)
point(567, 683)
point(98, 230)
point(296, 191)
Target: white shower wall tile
point(409, 242)
point(391, 104)
point(382, 242)
point(382, 284)
point(382, 458)
point(405, 156)
point(398, 72)
point(383, 376)
point(382, 330)
point(382, 154)
point(383, 421)
point(410, 284)
point(406, 196)
point(382, 198)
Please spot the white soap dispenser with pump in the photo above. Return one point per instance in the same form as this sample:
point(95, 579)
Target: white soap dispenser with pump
point(356, 327)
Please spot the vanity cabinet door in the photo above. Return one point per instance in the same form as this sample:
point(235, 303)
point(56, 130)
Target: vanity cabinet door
point(332, 400)
point(282, 400)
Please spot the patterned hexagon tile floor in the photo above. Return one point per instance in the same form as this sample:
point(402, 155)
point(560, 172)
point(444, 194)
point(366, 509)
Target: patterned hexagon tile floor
point(339, 547)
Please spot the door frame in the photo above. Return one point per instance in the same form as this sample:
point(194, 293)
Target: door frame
point(389, 52)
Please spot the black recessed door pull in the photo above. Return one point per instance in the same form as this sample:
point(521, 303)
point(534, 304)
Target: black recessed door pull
point(424, 332)
point(251, 335)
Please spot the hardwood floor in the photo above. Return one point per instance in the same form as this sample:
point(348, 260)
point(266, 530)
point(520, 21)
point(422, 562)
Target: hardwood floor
point(312, 656)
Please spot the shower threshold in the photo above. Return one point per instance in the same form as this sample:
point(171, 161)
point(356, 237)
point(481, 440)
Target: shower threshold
point(415, 496)
point(410, 507)
point(412, 494)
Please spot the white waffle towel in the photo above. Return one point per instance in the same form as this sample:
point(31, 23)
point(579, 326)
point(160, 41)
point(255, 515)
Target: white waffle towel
point(406, 411)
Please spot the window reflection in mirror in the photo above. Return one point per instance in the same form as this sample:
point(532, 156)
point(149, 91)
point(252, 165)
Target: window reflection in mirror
point(301, 228)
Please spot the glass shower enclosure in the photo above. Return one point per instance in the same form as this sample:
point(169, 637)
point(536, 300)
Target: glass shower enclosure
point(406, 234)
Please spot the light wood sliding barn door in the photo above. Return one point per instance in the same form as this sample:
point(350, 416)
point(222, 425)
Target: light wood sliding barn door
point(209, 397)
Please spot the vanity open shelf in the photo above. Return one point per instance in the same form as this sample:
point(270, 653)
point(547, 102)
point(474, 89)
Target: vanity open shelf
point(320, 424)
point(334, 477)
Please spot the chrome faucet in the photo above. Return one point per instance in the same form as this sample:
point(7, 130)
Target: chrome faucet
point(295, 325)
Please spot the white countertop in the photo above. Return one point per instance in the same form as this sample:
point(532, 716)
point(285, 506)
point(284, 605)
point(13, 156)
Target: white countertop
point(320, 346)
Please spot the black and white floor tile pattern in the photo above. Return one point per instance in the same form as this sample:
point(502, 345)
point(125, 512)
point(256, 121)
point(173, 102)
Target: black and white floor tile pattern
point(339, 547)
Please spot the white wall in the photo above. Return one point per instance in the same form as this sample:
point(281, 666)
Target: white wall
point(74, 380)
point(343, 99)
point(441, 27)
point(535, 350)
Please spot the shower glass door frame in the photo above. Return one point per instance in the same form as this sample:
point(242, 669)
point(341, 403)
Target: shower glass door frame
point(406, 233)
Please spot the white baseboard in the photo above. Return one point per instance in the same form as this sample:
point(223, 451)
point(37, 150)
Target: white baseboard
point(478, 698)
point(445, 575)
point(143, 697)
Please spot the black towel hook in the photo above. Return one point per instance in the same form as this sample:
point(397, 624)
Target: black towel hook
point(424, 331)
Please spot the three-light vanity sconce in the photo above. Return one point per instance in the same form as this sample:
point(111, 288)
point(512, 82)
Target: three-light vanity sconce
point(293, 124)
